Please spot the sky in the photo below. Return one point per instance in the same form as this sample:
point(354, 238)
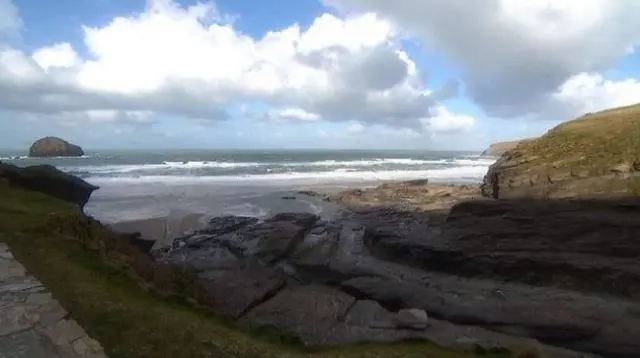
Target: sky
point(370, 74)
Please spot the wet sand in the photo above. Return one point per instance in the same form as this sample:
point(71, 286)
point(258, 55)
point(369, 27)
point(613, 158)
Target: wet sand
point(163, 229)
point(157, 228)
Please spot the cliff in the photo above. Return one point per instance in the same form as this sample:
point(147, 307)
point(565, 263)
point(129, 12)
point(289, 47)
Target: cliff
point(497, 149)
point(595, 156)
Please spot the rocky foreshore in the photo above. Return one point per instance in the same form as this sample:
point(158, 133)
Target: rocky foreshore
point(413, 195)
point(560, 276)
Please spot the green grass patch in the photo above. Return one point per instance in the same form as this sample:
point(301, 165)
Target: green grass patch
point(137, 308)
point(592, 144)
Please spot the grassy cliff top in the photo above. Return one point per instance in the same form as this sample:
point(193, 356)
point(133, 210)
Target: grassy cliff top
point(132, 307)
point(498, 148)
point(596, 142)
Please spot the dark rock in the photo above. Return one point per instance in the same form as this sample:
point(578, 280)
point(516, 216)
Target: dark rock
point(49, 180)
point(287, 197)
point(581, 245)
point(368, 313)
point(306, 312)
point(368, 275)
point(54, 147)
point(277, 240)
point(136, 240)
point(570, 319)
point(235, 292)
point(225, 224)
point(418, 182)
point(302, 219)
point(315, 194)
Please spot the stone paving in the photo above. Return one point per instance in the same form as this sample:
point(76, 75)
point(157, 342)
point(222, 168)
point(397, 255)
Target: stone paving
point(32, 323)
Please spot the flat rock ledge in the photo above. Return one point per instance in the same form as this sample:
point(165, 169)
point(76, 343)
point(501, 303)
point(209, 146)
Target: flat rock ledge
point(32, 323)
point(356, 279)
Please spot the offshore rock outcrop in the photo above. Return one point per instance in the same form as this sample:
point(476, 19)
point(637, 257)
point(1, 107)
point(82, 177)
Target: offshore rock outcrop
point(54, 147)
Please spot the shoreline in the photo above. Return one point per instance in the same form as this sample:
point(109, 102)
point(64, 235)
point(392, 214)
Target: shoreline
point(411, 195)
point(155, 228)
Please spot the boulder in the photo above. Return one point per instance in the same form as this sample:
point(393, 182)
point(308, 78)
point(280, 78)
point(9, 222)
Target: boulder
point(369, 313)
point(412, 318)
point(49, 180)
point(596, 156)
point(54, 147)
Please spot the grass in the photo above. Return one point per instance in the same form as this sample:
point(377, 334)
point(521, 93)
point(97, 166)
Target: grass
point(137, 308)
point(592, 144)
point(591, 156)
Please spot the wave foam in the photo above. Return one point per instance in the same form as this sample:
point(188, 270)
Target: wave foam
point(370, 162)
point(351, 165)
point(206, 164)
point(480, 161)
point(464, 173)
point(26, 157)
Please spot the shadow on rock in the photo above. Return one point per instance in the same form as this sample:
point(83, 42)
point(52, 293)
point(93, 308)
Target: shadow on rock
point(560, 275)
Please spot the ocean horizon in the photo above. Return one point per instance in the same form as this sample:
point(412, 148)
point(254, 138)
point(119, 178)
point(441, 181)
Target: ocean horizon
point(139, 184)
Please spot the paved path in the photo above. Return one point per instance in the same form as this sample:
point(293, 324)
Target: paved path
point(32, 323)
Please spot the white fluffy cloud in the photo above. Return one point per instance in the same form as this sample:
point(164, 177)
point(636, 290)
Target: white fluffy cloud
point(591, 92)
point(291, 114)
point(516, 54)
point(443, 121)
point(56, 56)
point(191, 62)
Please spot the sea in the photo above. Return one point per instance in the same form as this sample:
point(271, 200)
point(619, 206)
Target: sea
point(140, 184)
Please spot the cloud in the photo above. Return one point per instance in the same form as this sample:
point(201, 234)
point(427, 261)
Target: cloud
point(356, 128)
point(58, 56)
point(291, 114)
point(591, 93)
point(189, 61)
point(515, 54)
point(445, 122)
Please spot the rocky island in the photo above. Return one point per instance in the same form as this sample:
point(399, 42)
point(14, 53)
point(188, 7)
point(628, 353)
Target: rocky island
point(54, 147)
point(538, 260)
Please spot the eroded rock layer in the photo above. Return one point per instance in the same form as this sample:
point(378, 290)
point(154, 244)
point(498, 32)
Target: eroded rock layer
point(496, 273)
